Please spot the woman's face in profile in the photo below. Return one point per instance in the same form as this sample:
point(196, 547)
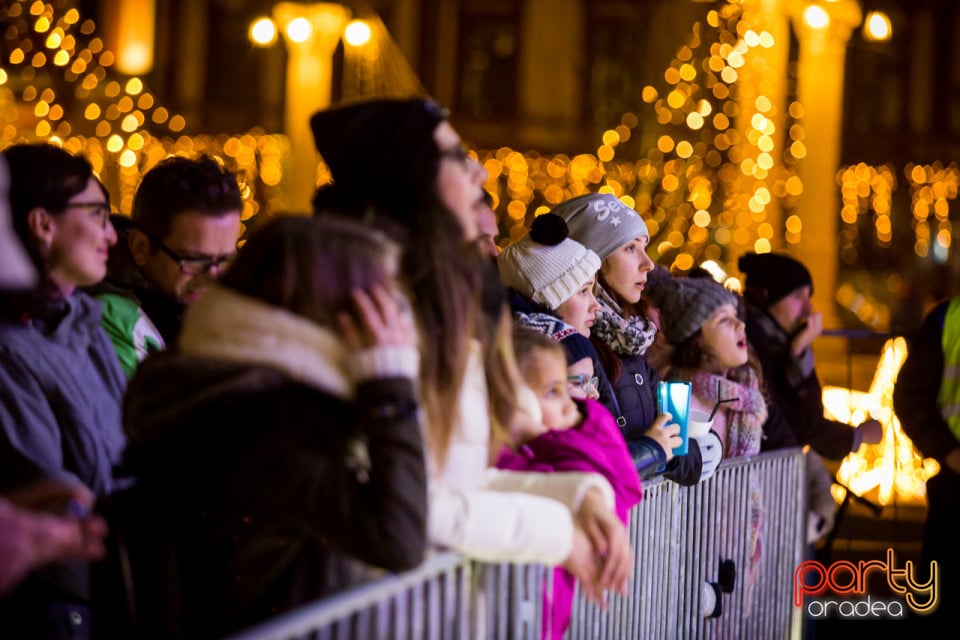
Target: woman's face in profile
point(459, 179)
point(625, 270)
point(81, 236)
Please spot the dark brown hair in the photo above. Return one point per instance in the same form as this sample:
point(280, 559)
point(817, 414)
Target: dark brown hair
point(177, 185)
point(309, 265)
point(41, 175)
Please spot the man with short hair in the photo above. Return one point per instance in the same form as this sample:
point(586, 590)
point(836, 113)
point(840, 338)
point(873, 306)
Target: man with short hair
point(181, 237)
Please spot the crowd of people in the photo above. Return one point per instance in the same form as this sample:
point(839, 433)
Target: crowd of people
point(196, 438)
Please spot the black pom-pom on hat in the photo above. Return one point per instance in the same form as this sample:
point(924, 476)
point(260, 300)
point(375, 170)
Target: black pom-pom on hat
point(549, 229)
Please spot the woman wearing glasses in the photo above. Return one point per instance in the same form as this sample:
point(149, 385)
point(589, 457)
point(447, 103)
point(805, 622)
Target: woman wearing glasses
point(60, 380)
point(551, 279)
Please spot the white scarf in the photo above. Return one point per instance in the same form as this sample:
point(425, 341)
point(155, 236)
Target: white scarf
point(226, 325)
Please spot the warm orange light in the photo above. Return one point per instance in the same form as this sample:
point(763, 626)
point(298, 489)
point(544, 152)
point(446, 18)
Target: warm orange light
point(263, 32)
point(877, 27)
point(134, 36)
point(357, 33)
point(815, 17)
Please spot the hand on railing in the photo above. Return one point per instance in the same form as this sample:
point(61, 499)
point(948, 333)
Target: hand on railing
point(609, 540)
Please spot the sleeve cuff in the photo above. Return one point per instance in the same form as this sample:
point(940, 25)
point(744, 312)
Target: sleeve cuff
point(857, 439)
point(593, 481)
point(385, 362)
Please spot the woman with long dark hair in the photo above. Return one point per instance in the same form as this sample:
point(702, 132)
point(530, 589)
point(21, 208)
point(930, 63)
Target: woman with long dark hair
point(622, 332)
point(400, 165)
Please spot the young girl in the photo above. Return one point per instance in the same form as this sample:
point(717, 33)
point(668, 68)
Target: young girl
point(708, 344)
point(575, 435)
point(551, 278)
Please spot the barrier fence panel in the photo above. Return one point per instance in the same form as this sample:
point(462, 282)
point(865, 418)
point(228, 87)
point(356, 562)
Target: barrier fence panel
point(751, 512)
point(431, 602)
point(508, 600)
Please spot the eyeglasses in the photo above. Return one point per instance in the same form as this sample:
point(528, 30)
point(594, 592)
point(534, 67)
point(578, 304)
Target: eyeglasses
point(195, 266)
point(100, 209)
point(586, 384)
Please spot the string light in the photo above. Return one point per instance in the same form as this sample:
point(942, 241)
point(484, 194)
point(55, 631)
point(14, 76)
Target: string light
point(115, 122)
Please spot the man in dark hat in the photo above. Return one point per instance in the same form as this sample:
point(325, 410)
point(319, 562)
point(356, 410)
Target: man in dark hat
point(781, 326)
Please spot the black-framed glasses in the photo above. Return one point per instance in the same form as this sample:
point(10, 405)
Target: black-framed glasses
point(586, 383)
point(101, 209)
point(195, 265)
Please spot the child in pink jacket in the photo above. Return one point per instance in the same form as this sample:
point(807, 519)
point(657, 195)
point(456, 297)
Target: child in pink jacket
point(573, 435)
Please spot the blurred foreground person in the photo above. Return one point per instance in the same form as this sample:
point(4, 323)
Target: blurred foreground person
point(278, 444)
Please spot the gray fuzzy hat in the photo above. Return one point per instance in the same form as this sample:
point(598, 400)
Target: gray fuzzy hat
point(601, 222)
point(545, 265)
point(685, 303)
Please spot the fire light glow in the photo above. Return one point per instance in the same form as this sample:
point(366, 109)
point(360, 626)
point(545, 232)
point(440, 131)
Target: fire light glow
point(893, 467)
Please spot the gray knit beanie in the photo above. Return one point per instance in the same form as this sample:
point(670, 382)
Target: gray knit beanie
point(545, 265)
point(685, 303)
point(601, 222)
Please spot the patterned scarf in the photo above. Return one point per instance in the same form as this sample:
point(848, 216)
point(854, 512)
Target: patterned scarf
point(626, 336)
point(548, 325)
point(744, 416)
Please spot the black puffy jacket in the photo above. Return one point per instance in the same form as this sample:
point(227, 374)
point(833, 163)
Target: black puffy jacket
point(635, 394)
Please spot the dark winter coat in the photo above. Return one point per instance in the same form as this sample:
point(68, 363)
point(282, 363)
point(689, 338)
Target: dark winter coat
point(796, 392)
point(648, 457)
point(257, 490)
point(635, 391)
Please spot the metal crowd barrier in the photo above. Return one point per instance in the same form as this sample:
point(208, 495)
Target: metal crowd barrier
point(679, 537)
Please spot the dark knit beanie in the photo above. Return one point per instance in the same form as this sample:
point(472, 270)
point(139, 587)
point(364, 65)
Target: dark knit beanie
point(577, 347)
point(685, 303)
point(381, 155)
point(772, 277)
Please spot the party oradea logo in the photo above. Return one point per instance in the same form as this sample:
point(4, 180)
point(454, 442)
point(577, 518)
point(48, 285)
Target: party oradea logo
point(842, 590)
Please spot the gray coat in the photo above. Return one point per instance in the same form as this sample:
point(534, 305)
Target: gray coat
point(61, 389)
